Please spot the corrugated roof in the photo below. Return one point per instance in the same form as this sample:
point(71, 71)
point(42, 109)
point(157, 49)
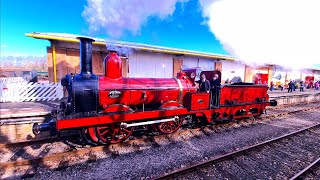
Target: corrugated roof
point(138, 46)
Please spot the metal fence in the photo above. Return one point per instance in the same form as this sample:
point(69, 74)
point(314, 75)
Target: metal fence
point(18, 90)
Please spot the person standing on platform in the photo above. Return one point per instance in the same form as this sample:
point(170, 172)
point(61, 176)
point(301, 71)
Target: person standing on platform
point(311, 85)
point(316, 85)
point(290, 86)
point(301, 86)
point(271, 86)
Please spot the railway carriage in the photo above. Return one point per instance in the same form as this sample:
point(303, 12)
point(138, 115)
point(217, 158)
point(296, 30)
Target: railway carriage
point(108, 108)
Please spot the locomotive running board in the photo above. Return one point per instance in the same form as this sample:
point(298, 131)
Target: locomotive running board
point(126, 125)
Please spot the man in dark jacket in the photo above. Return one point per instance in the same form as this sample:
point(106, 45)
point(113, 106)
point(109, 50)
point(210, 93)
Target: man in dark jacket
point(215, 89)
point(204, 84)
point(291, 86)
point(67, 82)
point(301, 86)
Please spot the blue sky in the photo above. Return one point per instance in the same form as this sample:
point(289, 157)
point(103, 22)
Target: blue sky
point(184, 29)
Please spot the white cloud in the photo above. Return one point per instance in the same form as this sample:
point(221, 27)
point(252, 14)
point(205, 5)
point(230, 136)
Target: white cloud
point(115, 16)
point(284, 32)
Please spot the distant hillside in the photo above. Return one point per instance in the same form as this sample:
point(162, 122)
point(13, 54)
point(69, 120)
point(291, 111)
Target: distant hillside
point(39, 63)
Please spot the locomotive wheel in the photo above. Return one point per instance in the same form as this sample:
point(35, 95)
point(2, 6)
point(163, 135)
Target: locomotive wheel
point(171, 126)
point(111, 133)
point(89, 136)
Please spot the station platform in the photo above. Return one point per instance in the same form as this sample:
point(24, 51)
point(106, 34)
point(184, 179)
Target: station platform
point(279, 93)
point(27, 109)
point(294, 97)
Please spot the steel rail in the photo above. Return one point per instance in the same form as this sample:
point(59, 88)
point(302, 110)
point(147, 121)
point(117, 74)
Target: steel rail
point(305, 170)
point(220, 158)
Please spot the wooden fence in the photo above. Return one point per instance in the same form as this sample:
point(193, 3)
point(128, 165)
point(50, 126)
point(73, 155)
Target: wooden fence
point(17, 90)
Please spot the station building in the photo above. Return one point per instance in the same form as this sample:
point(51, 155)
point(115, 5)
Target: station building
point(141, 60)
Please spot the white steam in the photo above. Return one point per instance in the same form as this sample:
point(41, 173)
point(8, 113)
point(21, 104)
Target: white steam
point(283, 32)
point(117, 16)
point(120, 49)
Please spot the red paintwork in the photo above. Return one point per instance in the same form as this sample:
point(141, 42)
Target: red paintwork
point(92, 134)
point(165, 90)
point(243, 94)
point(309, 78)
point(231, 110)
point(120, 94)
point(136, 91)
point(112, 134)
point(116, 108)
point(113, 66)
point(98, 120)
point(262, 77)
point(170, 127)
point(199, 101)
point(159, 114)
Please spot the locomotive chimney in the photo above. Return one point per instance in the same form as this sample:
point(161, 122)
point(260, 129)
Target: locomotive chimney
point(85, 55)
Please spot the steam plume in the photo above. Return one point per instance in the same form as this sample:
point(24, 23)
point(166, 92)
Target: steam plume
point(284, 32)
point(115, 16)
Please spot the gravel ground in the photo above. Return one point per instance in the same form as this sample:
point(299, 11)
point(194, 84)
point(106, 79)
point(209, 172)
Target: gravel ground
point(291, 154)
point(171, 154)
point(33, 151)
point(315, 174)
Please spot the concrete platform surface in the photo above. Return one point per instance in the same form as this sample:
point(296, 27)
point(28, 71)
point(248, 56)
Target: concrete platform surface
point(284, 93)
point(24, 109)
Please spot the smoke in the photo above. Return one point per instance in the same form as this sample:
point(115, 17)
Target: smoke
point(121, 49)
point(115, 16)
point(283, 32)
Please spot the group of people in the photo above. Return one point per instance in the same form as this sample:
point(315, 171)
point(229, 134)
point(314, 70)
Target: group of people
point(293, 85)
point(313, 85)
point(212, 86)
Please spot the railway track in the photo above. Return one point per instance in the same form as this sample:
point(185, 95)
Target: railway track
point(38, 141)
point(308, 171)
point(272, 113)
point(59, 159)
point(292, 154)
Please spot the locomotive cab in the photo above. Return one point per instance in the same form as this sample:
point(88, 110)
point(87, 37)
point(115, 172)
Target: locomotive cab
point(202, 100)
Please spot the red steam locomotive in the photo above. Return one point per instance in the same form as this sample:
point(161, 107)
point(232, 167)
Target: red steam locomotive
point(106, 109)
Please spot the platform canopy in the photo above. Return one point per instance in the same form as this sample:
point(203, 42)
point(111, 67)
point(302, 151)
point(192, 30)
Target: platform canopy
point(121, 44)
